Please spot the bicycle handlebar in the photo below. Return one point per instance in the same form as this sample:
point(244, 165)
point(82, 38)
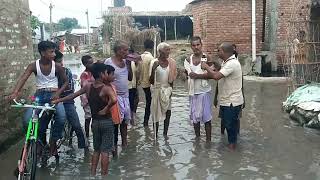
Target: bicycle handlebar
point(42, 108)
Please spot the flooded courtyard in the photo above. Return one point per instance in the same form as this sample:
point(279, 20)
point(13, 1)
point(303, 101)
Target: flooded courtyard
point(270, 146)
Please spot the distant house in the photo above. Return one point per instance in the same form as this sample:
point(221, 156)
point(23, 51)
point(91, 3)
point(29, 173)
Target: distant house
point(57, 36)
point(172, 25)
point(95, 38)
point(81, 35)
point(60, 33)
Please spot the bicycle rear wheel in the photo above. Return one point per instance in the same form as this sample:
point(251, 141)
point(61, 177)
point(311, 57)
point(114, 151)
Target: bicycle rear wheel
point(66, 134)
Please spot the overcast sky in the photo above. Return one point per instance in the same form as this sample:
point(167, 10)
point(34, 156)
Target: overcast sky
point(77, 8)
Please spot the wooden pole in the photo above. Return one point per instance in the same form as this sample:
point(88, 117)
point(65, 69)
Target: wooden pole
point(120, 29)
point(51, 27)
point(87, 13)
point(165, 29)
point(175, 28)
point(155, 45)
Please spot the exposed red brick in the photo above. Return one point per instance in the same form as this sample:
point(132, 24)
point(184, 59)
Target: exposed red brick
point(219, 21)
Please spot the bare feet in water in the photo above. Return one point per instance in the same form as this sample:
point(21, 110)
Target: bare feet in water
point(232, 147)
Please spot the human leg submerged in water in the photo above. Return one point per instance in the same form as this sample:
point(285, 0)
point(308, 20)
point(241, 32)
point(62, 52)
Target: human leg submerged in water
point(166, 124)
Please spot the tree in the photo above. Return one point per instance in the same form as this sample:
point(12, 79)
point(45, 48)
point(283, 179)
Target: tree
point(35, 23)
point(107, 27)
point(68, 23)
point(119, 3)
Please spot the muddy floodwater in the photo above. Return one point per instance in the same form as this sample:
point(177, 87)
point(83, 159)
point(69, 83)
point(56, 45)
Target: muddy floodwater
point(271, 147)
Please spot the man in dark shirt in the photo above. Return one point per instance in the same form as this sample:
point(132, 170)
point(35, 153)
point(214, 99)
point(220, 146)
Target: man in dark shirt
point(71, 113)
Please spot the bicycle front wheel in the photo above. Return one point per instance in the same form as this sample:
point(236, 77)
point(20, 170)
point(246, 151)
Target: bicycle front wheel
point(31, 164)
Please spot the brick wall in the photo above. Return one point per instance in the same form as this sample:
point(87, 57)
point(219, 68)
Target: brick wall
point(284, 20)
point(16, 53)
point(288, 11)
point(220, 20)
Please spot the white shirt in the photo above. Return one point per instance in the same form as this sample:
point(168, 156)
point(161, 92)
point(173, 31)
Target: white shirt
point(162, 76)
point(133, 82)
point(50, 81)
point(200, 85)
point(230, 86)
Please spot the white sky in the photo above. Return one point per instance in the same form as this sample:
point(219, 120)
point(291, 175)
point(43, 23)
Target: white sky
point(77, 8)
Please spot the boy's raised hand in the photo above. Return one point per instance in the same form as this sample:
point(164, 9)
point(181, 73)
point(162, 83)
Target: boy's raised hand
point(56, 101)
point(55, 96)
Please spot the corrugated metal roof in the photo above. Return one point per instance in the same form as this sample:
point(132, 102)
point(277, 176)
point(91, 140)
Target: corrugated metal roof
point(80, 31)
point(60, 33)
point(160, 13)
point(154, 13)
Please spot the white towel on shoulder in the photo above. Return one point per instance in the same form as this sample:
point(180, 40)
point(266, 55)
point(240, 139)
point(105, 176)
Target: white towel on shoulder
point(187, 67)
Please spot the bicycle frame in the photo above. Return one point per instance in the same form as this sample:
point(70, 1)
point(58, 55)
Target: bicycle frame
point(32, 130)
point(32, 133)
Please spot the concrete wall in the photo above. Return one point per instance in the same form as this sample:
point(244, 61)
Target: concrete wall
point(16, 52)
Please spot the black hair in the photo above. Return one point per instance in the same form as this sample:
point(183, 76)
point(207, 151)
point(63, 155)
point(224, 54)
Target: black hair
point(85, 59)
point(148, 44)
point(45, 45)
point(110, 69)
point(131, 50)
point(97, 68)
point(195, 38)
point(58, 57)
point(235, 52)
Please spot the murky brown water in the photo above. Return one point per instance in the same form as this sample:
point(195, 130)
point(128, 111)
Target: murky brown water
point(270, 146)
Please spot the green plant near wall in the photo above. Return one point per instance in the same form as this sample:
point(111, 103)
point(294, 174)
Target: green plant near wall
point(35, 23)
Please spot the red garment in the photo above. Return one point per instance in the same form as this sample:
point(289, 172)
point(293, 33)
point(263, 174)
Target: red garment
point(115, 110)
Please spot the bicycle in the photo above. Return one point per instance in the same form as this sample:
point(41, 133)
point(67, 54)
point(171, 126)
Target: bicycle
point(67, 134)
point(44, 151)
point(27, 164)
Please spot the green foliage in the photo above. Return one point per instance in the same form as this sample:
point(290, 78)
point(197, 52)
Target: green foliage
point(35, 23)
point(67, 24)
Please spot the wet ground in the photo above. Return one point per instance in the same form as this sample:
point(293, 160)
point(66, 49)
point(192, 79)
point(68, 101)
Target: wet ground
point(270, 146)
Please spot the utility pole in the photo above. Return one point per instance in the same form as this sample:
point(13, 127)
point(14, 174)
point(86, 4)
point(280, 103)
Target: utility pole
point(51, 27)
point(253, 18)
point(88, 27)
point(101, 9)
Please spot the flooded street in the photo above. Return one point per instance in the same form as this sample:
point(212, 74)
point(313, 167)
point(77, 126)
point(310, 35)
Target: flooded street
point(271, 147)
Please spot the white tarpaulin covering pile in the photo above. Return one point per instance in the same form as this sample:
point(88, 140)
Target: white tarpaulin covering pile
point(304, 105)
